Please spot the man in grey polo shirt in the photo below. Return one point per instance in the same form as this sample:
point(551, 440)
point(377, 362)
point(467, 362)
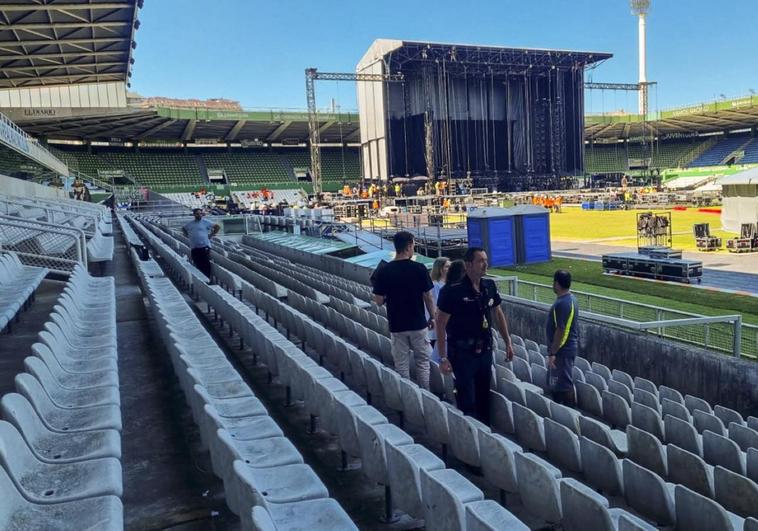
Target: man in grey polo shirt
point(200, 231)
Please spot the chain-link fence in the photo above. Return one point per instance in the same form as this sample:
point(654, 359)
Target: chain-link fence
point(44, 244)
point(724, 333)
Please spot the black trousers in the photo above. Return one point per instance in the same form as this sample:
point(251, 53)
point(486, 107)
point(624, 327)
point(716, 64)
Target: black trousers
point(473, 373)
point(201, 258)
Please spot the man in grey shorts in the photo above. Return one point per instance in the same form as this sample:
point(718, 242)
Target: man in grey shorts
point(405, 286)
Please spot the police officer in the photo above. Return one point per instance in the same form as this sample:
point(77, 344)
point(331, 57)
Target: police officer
point(466, 312)
point(562, 335)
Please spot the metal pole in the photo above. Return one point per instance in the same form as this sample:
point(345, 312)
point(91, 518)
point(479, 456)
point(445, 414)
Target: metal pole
point(737, 348)
point(313, 132)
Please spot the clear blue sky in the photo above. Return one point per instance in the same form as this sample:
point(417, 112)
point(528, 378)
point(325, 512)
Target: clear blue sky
point(256, 51)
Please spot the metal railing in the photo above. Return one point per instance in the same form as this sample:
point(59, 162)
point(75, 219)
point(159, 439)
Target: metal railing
point(723, 333)
point(44, 244)
point(15, 138)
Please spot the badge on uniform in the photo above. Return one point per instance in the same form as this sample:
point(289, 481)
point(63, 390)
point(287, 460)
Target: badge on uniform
point(491, 302)
point(485, 323)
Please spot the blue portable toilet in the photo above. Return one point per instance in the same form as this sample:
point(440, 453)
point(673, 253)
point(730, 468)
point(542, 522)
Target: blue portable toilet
point(494, 230)
point(532, 234)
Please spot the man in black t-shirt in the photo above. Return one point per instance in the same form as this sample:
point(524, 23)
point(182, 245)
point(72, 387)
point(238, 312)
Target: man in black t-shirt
point(405, 286)
point(467, 311)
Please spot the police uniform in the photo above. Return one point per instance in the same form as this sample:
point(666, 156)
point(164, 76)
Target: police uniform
point(469, 341)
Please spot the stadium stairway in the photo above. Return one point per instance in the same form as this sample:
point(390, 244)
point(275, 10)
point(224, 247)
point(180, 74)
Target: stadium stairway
point(166, 481)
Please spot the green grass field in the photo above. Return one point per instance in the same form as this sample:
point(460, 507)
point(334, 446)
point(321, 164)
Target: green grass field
point(588, 277)
point(619, 227)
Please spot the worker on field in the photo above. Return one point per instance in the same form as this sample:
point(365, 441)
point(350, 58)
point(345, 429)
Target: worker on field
point(397, 190)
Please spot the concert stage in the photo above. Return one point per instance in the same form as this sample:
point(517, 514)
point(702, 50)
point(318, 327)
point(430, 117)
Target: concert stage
point(506, 117)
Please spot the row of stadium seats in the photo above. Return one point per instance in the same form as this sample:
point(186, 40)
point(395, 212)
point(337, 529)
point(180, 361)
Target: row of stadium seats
point(534, 423)
point(60, 441)
point(716, 154)
point(606, 158)
point(166, 168)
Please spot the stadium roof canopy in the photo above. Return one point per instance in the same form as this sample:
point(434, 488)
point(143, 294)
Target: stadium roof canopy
point(726, 115)
point(187, 125)
point(47, 42)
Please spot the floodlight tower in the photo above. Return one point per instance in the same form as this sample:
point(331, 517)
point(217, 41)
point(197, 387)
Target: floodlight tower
point(640, 8)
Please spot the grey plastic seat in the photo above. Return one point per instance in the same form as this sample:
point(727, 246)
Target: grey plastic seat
point(596, 380)
point(372, 439)
point(744, 437)
point(404, 464)
point(752, 422)
point(752, 464)
point(601, 467)
point(498, 463)
point(435, 418)
point(585, 509)
point(464, 437)
point(718, 450)
point(707, 421)
point(445, 493)
point(689, 470)
point(751, 524)
point(735, 492)
point(648, 494)
point(622, 390)
point(67, 420)
point(562, 446)
point(70, 398)
point(251, 486)
point(675, 409)
point(697, 513)
point(582, 364)
point(622, 377)
point(501, 414)
point(537, 403)
point(313, 515)
point(348, 427)
point(616, 410)
point(646, 449)
point(102, 371)
point(413, 408)
point(522, 369)
point(488, 515)
point(589, 399)
point(512, 391)
point(536, 358)
point(532, 345)
point(646, 398)
point(682, 434)
point(54, 447)
point(648, 419)
point(540, 376)
point(728, 415)
point(693, 403)
point(602, 370)
point(104, 513)
point(42, 482)
point(566, 416)
point(645, 385)
point(671, 394)
point(530, 430)
point(614, 440)
point(539, 488)
point(576, 374)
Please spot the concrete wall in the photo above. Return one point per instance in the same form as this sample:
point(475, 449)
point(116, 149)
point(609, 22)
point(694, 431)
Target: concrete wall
point(21, 188)
point(718, 378)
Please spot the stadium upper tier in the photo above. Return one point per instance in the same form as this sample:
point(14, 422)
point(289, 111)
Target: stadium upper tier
point(166, 168)
point(691, 152)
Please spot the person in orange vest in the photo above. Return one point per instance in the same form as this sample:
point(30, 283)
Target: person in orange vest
point(346, 190)
point(375, 205)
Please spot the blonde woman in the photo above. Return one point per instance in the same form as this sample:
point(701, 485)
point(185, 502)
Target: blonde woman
point(439, 277)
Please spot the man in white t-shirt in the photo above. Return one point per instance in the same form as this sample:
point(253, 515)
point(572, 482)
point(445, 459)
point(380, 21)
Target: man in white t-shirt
point(200, 231)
